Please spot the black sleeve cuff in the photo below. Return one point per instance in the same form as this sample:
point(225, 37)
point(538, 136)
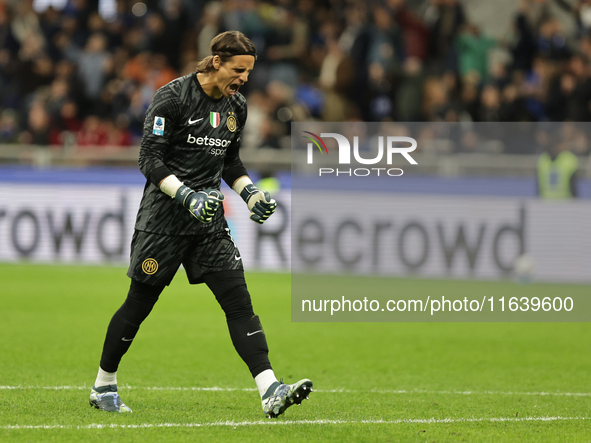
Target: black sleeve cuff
point(233, 173)
point(159, 174)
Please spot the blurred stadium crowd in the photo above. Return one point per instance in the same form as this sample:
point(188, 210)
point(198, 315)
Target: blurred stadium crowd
point(81, 74)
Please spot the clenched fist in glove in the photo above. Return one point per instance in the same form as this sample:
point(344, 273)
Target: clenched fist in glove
point(202, 204)
point(260, 203)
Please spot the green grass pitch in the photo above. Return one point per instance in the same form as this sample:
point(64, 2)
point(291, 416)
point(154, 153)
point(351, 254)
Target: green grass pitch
point(373, 381)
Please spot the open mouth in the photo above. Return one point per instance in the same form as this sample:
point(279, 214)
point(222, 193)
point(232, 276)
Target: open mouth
point(234, 88)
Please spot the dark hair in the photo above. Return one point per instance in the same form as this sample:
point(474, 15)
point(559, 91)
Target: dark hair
point(226, 45)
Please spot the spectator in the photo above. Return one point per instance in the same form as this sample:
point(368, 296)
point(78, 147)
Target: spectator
point(552, 43)
point(33, 73)
point(289, 38)
point(512, 106)
point(57, 95)
point(490, 105)
point(118, 133)
point(38, 128)
point(93, 133)
point(336, 76)
point(446, 18)
point(473, 50)
point(93, 65)
point(67, 121)
point(414, 31)
point(9, 130)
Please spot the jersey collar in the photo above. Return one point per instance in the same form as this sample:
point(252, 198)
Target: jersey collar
point(208, 97)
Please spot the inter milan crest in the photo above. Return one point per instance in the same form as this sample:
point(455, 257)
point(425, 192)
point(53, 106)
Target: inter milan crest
point(231, 122)
point(214, 119)
point(150, 266)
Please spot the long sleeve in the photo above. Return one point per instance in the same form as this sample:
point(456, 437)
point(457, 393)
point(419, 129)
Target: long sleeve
point(161, 118)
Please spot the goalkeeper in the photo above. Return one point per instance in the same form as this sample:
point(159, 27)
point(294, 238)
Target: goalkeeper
point(190, 143)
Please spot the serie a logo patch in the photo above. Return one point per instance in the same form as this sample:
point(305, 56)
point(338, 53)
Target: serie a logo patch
point(150, 266)
point(158, 125)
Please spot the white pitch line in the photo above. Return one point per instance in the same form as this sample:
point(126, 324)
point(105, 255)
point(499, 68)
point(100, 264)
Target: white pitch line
point(296, 422)
point(346, 391)
point(421, 391)
point(148, 388)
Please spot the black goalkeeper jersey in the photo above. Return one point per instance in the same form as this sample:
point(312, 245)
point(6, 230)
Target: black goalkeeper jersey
point(195, 137)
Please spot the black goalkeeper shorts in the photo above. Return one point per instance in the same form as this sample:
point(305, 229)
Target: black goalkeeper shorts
point(155, 258)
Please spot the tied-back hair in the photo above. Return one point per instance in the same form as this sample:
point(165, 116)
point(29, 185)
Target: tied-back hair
point(226, 45)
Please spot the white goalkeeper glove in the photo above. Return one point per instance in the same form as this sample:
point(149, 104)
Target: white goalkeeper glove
point(260, 203)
